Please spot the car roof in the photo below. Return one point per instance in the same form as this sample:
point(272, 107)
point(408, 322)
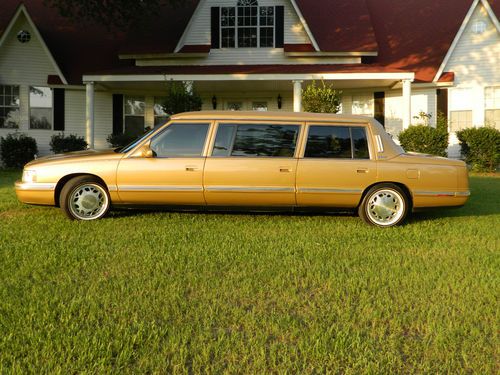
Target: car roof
point(269, 115)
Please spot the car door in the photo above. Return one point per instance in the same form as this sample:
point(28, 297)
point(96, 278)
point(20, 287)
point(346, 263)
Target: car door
point(252, 164)
point(337, 165)
point(174, 175)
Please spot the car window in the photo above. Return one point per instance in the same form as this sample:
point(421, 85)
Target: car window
point(341, 142)
point(180, 140)
point(254, 140)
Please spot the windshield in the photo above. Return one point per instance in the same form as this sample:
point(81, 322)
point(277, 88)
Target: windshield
point(131, 145)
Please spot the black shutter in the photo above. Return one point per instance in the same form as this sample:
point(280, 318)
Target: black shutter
point(442, 102)
point(215, 27)
point(379, 99)
point(117, 114)
point(59, 109)
point(279, 37)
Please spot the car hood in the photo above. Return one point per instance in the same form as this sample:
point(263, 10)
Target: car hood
point(74, 156)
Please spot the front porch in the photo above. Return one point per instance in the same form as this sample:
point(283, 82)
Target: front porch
point(363, 94)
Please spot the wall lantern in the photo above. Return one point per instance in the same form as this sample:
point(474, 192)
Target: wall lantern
point(280, 101)
point(214, 102)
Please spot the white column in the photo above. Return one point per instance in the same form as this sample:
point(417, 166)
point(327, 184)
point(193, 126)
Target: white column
point(297, 96)
point(406, 103)
point(89, 114)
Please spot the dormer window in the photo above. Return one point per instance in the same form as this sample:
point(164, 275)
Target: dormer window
point(247, 25)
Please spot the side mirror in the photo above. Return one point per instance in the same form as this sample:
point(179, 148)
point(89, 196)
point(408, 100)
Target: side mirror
point(146, 151)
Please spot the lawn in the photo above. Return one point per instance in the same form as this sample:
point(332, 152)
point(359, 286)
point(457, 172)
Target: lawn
point(143, 292)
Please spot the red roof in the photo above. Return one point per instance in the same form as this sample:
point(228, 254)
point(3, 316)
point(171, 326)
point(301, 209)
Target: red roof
point(409, 35)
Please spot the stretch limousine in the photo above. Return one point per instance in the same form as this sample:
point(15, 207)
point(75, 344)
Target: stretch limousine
point(257, 160)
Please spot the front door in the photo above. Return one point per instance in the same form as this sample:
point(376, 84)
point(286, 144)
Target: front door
point(252, 164)
point(336, 166)
point(174, 175)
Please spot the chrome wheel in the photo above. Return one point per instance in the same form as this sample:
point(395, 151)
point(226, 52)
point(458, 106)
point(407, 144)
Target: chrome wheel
point(385, 207)
point(88, 201)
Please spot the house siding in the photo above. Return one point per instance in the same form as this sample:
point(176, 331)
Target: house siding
point(475, 62)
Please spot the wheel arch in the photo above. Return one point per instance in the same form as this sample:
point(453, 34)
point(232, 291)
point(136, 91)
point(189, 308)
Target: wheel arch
point(65, 179)
point(403, 187)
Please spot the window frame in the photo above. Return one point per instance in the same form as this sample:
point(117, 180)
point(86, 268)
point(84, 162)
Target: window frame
point(164, 128)
point(30, 107)
point(463, 111)
point(125, 110)
point(10, 106)
point(298, 142)
point(236, 26)
point(368, 133)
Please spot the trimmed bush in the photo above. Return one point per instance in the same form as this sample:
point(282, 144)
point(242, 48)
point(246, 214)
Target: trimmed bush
point(120, 140)
point(59, 143)
point(321, 99)
point(426, 139)
point(16, 149)
point(480, 148)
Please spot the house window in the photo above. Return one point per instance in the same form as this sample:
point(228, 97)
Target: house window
point(134, 114)
point(41, 103)
point(460, 120)
point(362, 105)
point(247, 25)
point(161, 116)
point(259, 106)
point(492, 106)
point(9, 106)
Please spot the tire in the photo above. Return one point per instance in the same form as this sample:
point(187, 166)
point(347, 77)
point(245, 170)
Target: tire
point(84, 198)
point(384, 205)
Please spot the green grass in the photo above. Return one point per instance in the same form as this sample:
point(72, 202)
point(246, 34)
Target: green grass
point(143, 292)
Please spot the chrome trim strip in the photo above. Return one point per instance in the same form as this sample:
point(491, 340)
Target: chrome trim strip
point(424, 193)
point(37, 186)
point(332, 191)
point(256, 189)
point(112, 188)
point(380, 145)
point(158, 188)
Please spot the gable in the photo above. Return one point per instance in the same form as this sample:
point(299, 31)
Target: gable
point(29, 62)
point(198, 29)
point(476, 53)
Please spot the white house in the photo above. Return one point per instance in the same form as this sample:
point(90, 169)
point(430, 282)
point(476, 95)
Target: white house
point(392, 59)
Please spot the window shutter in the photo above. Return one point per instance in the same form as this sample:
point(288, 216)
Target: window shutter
point(279, 36)
point(58, 109)
point(215, 22)
point(379, 99)
point(117, 114)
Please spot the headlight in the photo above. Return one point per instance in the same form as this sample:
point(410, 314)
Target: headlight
point(29, 176)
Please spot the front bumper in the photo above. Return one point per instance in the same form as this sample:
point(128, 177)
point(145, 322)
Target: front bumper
point(35, 192)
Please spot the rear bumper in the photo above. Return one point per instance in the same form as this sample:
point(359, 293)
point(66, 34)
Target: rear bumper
point(35, 192)
point(423, 199)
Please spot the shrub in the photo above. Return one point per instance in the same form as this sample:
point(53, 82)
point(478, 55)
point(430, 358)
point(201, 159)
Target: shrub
point(60, 143)
point(321, 99)
point(480, 148)
point(181, 98)
point(426, 139)
point(16, 149)
point(120, 140)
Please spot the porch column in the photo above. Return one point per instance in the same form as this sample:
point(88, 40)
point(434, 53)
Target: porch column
point(89, 114)
point(406, 103)
point(297, 96)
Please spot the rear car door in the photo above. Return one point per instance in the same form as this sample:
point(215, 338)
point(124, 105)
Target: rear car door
point(252, 164)
point(337, 165)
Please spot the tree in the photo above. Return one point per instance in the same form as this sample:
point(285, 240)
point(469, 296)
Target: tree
point(119, 14)
point(181, 98)
point(321, 99)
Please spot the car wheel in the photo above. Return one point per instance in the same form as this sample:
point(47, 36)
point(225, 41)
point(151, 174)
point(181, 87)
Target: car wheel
point(384, 205)
point(84, 198)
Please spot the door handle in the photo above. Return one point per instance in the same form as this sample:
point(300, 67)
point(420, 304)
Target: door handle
point(285, 169)
point(191, 168)
point(362, 170)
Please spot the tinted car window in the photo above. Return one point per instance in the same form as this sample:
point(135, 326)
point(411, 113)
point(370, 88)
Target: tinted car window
point(180, 140)
point(360, 143)
point(256, 140)
point(328, 142)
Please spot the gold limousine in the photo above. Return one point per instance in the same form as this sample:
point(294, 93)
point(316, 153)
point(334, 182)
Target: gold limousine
point(257, 160)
